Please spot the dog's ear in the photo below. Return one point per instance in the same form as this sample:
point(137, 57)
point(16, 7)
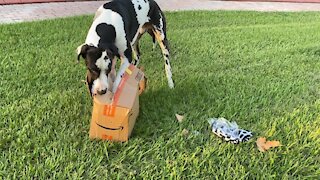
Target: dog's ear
point(112, 52)
point(89, 82)
point(82, 51)
point(111, 49)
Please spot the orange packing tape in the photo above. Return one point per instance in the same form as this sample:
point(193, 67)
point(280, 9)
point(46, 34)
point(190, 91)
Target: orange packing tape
point(109, 110)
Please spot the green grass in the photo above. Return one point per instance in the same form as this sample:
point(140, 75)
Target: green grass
point(260, 69)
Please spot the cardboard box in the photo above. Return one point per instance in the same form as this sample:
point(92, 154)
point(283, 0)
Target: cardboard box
point(114, 119)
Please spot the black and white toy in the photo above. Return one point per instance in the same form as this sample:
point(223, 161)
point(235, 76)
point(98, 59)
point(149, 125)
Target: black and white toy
point(229, 131)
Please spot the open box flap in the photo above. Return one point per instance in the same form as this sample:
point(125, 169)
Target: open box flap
point(126, 92)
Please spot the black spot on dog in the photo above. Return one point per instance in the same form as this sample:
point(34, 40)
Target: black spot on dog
point(139, 7)
point(164, 43)
point(167, 55)
point(128, 14)
point(155, 15)
point(145, 1)
point(106, 32)
point(167, 62)
point(128, 54)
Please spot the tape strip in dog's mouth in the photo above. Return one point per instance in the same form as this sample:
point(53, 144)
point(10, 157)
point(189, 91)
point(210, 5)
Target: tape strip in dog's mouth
point(107, 128)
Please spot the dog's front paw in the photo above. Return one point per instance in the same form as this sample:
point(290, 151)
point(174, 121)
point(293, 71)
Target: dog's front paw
point(171, 84)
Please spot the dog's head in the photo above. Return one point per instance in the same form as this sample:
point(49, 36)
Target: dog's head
point(99, 63)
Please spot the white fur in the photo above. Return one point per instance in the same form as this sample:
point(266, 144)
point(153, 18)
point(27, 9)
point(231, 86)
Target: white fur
point(102, 63)
point(102, 82)
point(79, 48)
point(125, 64)
point(142, 15)
point(161, 26)
point(98, 12)
point(112, 18)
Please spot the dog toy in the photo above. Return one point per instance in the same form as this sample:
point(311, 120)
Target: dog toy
point(229, 131)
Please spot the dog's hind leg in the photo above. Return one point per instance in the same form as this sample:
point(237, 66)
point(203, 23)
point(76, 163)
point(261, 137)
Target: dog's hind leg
point(160, 35)
point(159, 28)
point(163, 42)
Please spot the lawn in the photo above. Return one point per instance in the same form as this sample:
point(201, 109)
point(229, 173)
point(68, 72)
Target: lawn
point(260, 69)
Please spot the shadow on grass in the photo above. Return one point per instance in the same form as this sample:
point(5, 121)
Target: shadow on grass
point(158, 108)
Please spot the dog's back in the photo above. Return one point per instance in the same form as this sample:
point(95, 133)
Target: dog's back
point(117, 27)
point(125, 15)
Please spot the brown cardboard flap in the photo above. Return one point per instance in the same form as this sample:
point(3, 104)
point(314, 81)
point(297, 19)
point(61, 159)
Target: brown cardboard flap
point(135, 77)
point(127, 96)
point(128, 87)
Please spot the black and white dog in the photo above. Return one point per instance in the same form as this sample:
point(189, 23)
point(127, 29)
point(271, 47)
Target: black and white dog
point(115, 32)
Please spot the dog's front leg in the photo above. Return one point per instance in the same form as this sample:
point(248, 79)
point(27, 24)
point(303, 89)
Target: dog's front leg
point(113, 69)
point(113, 74)
point(124, 65)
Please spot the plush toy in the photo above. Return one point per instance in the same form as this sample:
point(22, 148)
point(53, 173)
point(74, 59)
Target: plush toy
point(230, 132)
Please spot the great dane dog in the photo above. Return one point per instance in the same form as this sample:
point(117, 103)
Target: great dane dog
point(115, 32)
